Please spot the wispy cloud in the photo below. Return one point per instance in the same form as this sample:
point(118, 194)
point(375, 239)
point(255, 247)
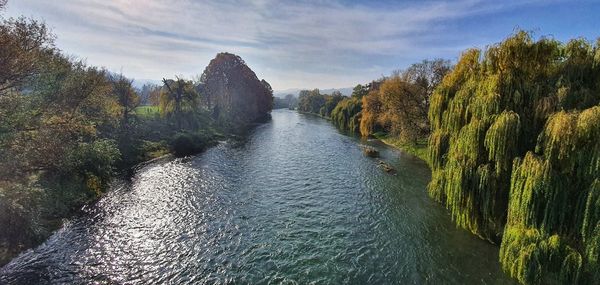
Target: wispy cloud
point(289, 43)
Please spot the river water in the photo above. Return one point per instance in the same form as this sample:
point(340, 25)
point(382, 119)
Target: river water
point(295, 203)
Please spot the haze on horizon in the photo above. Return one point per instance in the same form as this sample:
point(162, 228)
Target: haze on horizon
point(294, 44)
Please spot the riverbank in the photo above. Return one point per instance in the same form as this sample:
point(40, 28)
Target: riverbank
point(296, 201)
point(418, 149)
point(180, 145)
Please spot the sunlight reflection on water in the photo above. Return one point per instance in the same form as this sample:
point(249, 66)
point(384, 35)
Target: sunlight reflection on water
point(295, 203)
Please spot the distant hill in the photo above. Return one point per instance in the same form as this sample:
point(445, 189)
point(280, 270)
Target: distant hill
point(294, 91)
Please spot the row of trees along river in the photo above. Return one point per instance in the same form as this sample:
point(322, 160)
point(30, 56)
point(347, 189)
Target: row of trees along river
point(511, 135)
point(66, 128)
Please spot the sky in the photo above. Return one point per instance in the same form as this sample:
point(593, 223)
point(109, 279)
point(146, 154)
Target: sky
point(295, 44)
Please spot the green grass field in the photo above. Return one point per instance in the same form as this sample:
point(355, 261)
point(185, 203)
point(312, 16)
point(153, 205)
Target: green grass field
point(147, 111)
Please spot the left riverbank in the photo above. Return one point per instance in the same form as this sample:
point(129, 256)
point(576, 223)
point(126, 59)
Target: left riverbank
point(54, 200)
point(67, 130)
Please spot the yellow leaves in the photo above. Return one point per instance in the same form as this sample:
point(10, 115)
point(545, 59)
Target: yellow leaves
point(94, 184)
point(502, 139)
point(588, 125)
point(371, 112)
point(535, 258)
point(527, 189)
point(515, 121)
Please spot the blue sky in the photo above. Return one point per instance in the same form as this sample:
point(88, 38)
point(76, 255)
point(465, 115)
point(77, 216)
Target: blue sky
point(295, 44)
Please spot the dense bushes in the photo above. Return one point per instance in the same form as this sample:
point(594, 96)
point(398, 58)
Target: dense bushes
point(515, 154)
point(188, 143)
point(66, 127)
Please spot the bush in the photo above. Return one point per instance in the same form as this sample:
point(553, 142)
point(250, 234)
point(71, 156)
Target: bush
point(188, 143)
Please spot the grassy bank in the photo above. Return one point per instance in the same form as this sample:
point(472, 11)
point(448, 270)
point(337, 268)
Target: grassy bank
point(418, 149)
point(147, 111)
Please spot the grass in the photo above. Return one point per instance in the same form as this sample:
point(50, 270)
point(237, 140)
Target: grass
point(147, 111)
point(418, 149)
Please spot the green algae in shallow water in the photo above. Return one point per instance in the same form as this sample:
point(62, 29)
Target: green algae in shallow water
point(515, 154)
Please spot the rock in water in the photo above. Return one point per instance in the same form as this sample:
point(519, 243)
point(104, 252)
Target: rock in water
point(370, 152)
point(233, 93)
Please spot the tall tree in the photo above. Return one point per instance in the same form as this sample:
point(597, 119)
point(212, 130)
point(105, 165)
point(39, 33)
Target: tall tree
point(178, 97)
point(23, 42)
point(401, 103)
point(515, 155)
point(127, 97)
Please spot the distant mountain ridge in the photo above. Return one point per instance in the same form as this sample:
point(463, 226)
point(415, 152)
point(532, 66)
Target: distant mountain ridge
point(294, 91)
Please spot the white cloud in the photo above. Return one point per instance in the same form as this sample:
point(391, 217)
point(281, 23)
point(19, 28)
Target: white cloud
point(289, 43)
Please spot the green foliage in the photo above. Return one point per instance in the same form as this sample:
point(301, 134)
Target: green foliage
point(147, 112)
point(515, 155)
point(536, 258)
point(331, 101)
point(66, 127)
point(360, 91)
point(19, 218)
point(400, 103)
point(311, 101)
point(179, 100)
point(418, 149)
point(188, 143)
point(347, 114)
point(96, 158)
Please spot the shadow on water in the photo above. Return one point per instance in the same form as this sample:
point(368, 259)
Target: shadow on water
point(296, 202)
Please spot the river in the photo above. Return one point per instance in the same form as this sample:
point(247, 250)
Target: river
point(295, 203)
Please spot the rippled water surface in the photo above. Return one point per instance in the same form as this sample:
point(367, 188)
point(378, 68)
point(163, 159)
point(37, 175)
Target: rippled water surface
point(296, 203)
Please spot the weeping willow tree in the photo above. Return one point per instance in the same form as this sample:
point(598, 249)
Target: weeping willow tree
point(515, 154)
point(347, 114)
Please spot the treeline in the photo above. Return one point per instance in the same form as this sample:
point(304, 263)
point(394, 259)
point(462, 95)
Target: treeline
point(66, 127)
point(342, 110)
point(515, 154)
point(395, 109)
point(512, 135)
point(288, 102)
point(392, 108)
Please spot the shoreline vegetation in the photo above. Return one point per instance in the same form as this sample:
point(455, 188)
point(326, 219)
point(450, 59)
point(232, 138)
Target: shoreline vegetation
point(418, 149)
point(67, 128)
point(511, 134)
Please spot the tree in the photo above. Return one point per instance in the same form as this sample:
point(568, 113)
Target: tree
point(515, 156)
point(359, 91)
point(150, 94)
point(126, 96)
point(372, 114)
point(330, 102)
point(311, 101)
point(24, 42)
point(232, 92)
point(291, 101)
point(347, 114)
point(400, 103)
point(178, 97)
